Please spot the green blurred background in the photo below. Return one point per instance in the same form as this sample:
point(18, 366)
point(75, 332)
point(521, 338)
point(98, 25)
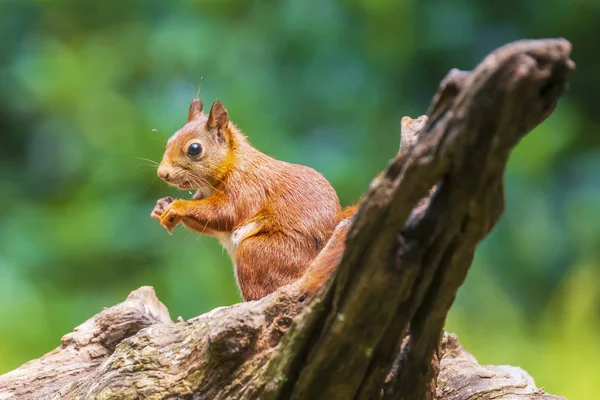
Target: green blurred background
point(88, 90)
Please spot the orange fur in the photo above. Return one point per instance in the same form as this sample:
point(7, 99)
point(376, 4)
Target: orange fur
point(328, 259)
point(272, 216)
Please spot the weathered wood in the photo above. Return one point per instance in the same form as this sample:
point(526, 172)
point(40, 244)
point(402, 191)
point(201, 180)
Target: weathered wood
point(68, 371)
point(83, 350)
point(375, 330)
point(462, 378)
point(506, 96)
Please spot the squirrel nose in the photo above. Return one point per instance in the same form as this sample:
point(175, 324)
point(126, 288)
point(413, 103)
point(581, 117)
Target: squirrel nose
point(163, 173)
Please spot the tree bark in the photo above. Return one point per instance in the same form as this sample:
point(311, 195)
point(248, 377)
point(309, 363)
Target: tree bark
point(375, 329)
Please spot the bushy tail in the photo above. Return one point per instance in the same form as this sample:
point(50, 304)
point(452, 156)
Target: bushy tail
point(328, 259)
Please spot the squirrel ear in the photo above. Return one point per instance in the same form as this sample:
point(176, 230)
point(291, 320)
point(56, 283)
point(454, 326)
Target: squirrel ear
point(217, 118)
point(195, 110)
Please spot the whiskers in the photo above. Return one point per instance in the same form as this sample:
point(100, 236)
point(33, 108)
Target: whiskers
point(150, 163)
point(200, 182)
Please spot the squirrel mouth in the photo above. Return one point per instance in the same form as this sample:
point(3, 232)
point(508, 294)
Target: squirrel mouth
point(196, 192)
point(185, 185)
point(196, 195)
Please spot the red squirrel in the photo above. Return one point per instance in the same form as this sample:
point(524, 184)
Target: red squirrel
point(273, 217)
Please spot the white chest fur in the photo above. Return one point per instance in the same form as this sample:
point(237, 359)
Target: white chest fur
point(231, 242)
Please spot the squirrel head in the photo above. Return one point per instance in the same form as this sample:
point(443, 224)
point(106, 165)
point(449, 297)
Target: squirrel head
point(199, 155)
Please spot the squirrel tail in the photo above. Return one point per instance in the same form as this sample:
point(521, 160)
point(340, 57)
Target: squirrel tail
point(328, 259)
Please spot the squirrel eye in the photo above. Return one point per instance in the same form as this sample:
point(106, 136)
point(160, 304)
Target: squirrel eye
point(194, 150)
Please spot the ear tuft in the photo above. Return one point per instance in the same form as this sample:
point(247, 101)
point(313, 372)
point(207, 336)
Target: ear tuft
point(217, 118)
point(195, 110)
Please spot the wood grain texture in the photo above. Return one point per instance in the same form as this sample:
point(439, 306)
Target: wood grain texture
point(83, 351)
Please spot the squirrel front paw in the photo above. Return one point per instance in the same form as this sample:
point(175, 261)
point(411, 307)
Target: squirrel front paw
point(168, 212)
point(170, 219)
point(160, 207)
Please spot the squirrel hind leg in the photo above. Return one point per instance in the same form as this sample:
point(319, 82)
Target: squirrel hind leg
point(264, 264)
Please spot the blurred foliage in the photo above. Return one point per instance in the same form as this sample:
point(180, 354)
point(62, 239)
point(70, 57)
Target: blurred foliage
point(89, 90)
